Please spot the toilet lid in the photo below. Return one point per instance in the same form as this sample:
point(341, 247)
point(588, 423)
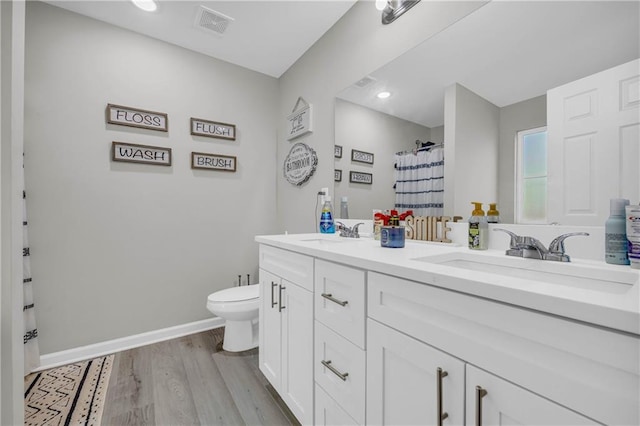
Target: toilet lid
point(236, 294)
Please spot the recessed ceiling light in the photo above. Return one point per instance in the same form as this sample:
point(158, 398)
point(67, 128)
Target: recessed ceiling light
point(383, 95)
point(146, 5)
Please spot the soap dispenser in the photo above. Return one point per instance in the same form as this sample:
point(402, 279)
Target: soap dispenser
point(478, 228)
point(493, 215)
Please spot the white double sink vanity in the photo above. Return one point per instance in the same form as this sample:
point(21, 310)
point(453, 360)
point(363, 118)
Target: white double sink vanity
point(354, 333)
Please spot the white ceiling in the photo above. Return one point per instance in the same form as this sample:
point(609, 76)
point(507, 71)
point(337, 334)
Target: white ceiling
point(265, 36)
point(506, 52)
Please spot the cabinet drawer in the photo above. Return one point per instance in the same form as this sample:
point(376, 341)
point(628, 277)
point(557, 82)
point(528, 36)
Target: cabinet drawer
point(329, 413)
point(291, 266)
point(340, 370)
point(340, 300)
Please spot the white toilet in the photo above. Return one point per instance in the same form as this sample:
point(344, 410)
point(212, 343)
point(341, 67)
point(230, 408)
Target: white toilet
point(238, 306)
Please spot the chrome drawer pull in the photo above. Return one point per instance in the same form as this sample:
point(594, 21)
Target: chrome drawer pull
point(327, 364)
point(480, 393)
point(333, 299)
point(273, 302)
point(280, 308)
point(440, 415)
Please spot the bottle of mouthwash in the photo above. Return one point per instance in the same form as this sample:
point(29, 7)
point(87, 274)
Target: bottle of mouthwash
point(327, 225)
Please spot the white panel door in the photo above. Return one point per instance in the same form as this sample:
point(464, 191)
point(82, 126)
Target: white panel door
point(507, 404)
point(296, 306)
point(269, 357)
point(403, 381)
point(593, 145)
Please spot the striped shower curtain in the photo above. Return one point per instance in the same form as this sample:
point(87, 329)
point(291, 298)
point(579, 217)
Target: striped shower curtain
point(420, 182)
point(31, 348)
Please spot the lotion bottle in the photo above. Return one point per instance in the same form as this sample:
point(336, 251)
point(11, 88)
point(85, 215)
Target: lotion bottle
point(478, 228)
point(615, 233)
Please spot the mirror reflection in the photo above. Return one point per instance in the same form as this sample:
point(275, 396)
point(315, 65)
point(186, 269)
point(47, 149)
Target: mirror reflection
point(475, 87)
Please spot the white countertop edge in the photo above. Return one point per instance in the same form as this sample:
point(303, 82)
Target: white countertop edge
point(617, 311)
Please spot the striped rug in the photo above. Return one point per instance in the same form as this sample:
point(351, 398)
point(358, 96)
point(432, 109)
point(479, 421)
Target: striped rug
point(73, 394)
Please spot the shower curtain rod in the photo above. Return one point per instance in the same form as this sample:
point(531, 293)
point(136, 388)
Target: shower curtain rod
point(416, 150)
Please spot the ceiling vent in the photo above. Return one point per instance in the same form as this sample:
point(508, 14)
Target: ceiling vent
point(212, 21)
point(364, 82)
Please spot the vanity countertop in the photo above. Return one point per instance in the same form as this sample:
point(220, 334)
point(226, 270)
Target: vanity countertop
point(615, 305)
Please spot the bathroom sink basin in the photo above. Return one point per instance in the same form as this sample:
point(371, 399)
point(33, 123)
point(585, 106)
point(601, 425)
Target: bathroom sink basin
point(587, 277)
point(328, 240)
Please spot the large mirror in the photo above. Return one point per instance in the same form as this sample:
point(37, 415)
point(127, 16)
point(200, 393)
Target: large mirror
point(508, 54)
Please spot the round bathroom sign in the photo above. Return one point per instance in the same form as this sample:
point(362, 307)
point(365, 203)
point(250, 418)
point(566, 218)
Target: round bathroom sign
point(300, 164)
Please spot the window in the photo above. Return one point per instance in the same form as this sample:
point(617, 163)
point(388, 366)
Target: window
point(531, 176)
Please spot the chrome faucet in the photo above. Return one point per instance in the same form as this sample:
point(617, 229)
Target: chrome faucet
point(530, 247)
point(345, 231)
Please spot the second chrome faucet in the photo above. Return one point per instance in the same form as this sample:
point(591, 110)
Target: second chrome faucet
point(530, 247)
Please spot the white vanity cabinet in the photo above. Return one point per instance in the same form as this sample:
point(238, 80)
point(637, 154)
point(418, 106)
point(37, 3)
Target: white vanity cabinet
point(286, 327)
point(544, 370)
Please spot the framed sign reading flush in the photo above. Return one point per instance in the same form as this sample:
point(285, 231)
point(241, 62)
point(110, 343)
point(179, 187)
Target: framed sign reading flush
point(213, 129)
point(361, 156)
point(134, 117)
point(225, 163)
point(133, 153)
point(360, 177)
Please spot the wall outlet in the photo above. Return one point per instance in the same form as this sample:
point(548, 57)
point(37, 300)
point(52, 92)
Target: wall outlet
point(324, 192)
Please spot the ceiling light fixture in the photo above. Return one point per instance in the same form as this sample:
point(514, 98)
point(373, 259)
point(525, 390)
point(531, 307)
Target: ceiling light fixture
point(146, 5)
point(383, 95)
point(392, 9)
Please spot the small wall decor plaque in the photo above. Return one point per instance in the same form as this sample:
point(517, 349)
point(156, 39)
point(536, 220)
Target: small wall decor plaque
point(134, 117)
point(213, 129)
point(360, 177)
point(361, 156)
point(133, 153)
point(300, 121)
point(337, 151)
point(300, 164)
point(201, 160)
point(337, 175)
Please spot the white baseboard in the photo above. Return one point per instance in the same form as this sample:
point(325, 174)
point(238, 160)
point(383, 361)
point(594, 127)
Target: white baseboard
point(82, 353)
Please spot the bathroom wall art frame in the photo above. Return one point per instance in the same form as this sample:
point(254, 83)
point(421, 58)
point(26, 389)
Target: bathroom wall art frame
point(213, 129)
point(144, 154)
point(136, 117)
point(361, 177)
point(361, 156)
point(205, 161)
point(337, 151)
point(337, 175)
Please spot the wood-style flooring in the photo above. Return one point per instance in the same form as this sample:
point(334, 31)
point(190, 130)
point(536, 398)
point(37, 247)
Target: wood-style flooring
point(191, 381)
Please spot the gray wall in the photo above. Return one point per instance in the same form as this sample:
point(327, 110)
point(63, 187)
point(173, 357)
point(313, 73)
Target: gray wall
point(120, 249)
point(356, 45)
point(524, 115)
point(471, 151)
point(383, 135)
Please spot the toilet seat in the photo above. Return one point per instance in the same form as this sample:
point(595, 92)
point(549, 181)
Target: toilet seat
point(235, 294)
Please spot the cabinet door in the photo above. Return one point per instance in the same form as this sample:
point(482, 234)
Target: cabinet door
point(297, 350)
point(507, 404)
point(269, 323)
point(329, 412)
point(403, 384)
